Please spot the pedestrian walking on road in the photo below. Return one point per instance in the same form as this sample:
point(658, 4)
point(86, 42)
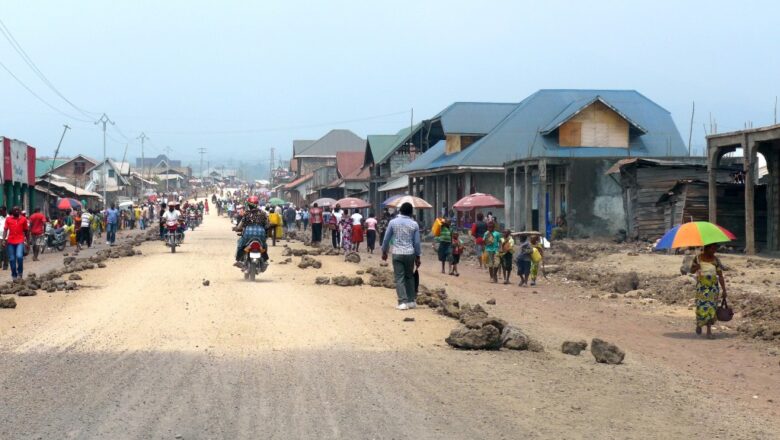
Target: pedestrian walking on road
point(316, 218)
point(523, 260)
point(3, 253)
point(404, 234)
point(710, 283)
point(506, 254)
point(15, 234)
point(444, 241)
point(356, 232)
point(537, 255)
point(371, 223)
point(112, 223)
point(492, 240)
point(457, 251)
point(345, 226)
point(478, 230)
point(37, 228)
point(85, 231)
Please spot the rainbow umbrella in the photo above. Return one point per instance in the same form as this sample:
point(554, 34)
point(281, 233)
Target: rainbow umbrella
point(694, 234)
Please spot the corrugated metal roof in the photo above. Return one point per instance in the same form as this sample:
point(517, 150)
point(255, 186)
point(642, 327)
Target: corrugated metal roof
point(518, 135)
point(473, 117)
point(399, 183)
point(43, 166)
point(581, 104)
point(425, 160)
point(301, 144)
point(348, 161)
point(378, 146)
point(299, 181)
point(333, 142)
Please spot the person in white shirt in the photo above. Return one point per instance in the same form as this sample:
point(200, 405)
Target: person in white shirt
point(357, 230)
point(85, 233)
point(337, 214)
point(172, 214)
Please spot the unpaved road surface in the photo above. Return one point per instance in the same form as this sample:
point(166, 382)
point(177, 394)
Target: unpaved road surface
point(145, 351)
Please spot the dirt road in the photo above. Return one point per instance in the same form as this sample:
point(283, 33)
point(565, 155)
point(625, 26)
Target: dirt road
point(147, 351)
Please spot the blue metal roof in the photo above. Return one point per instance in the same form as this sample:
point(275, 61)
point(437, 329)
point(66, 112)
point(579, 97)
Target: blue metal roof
point(425, 160)
point(519, 135)
point(473, 117)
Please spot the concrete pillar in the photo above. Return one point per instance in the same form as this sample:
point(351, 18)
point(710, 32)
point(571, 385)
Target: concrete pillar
point(712, 165)
point(467, 184)
point(528, 202)
point(543, 197)
point(516, 206)
point(749, 162)
point(508, 206)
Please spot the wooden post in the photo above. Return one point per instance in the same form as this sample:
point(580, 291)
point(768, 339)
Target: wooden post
point(749, 154)
point(543, 197)
point(529, 191)
point(712, 171)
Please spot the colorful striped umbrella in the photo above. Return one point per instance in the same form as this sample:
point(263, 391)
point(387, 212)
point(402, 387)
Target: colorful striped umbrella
point(694, 234)
point(66, 204)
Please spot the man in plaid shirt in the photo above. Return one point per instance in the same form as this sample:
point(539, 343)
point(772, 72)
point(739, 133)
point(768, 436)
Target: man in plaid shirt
point(404, 234)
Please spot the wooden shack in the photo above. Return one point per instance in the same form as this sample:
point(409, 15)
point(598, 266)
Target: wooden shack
point(644, 181)
point(688, 201)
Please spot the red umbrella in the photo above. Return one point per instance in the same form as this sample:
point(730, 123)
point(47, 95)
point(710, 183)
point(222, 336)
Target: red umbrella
point(65, 204)
point(352, 203)
point(476, 201)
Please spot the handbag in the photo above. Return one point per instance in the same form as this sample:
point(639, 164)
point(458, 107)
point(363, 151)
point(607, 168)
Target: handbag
point(724, 312)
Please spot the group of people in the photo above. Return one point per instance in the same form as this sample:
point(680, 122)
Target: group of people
point(496, 251)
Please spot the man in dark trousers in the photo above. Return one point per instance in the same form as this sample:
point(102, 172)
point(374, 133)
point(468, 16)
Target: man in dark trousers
point(404, 234)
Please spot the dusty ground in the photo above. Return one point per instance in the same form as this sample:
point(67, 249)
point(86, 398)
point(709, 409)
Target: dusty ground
point(149, 352)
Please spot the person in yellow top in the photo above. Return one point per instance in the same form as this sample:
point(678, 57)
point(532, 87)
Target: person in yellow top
point(137, 215)
point(536, 256)
point(275, 219)
point(505, 253)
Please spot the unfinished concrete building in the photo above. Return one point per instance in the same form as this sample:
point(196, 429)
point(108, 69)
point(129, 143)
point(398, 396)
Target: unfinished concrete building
point(766, 142)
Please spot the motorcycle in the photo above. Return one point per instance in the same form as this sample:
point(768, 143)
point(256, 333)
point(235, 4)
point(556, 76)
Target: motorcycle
point(173, 237)
point(192, 221)
point(55, 240)
point(254, 259)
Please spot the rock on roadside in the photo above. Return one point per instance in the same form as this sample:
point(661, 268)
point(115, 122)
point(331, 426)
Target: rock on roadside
point(485, 338)
point(573, 347)
point(7, 302)
point(606, 353)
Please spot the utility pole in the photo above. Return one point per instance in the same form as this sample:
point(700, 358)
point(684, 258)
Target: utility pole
point(103, 120)
point(202, 151)
point(143, 137)
point(168, 168)
point(66, 127)
point(690, 132)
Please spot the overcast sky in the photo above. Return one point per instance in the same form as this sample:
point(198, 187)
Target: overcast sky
point(239, 77)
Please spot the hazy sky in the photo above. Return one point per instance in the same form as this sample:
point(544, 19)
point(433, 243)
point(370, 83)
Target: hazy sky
point(239, 77)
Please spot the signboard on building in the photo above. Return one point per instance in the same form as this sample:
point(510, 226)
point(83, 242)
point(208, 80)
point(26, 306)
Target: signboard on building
point(18, 161)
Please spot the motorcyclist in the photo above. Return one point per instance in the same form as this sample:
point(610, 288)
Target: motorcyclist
point(171, 215)
point(253, 224)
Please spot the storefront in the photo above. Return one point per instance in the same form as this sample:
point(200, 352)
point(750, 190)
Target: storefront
point(18, 174)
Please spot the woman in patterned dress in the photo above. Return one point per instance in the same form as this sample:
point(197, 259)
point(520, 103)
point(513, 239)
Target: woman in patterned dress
point(709, 284)
point(345, 225)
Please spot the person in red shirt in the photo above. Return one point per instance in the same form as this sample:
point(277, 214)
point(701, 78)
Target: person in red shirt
point(315, 217)
point(15, 233)
point(37, 228)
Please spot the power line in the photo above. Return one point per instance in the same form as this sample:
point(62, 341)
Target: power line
point(30, 63)
point(39, 97)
